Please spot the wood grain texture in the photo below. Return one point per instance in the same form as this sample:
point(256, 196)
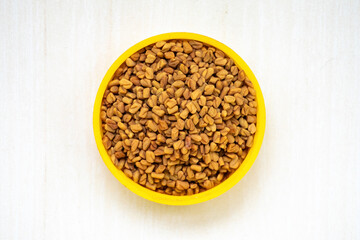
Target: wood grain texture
point(305, 183)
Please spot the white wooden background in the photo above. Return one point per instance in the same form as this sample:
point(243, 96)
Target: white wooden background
point(305, 183)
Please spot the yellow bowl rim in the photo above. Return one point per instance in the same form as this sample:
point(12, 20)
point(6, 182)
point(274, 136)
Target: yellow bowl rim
point(211, 193)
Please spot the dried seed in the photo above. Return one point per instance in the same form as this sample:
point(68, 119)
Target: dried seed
point(125, 83)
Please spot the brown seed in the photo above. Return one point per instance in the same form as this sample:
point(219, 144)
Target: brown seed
point(150, 58)
point(106, 142)
point(136, 127)
point(196, 94)
point(200, 175)
point(196, 137)
point(149, 73)
point(169, 55)
point(220, 61)
point(178, 84)
point(128, 173)
point(182, 185)
point(125, 83)
point(178, 144)
point(172, 110)
point(150, 156)
point(157, 175)
point(187, 47)
point(152, 126)
point(196, 168)
point(158, 111)
point(252, 128)
point(134, 108)
point(129, 62)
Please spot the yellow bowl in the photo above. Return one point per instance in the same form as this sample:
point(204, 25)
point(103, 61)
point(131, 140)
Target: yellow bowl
point(200, 197)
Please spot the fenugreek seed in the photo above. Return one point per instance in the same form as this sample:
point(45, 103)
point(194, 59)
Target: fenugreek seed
point(252, 128)
point(184, 113)
point(229, 99)
point(168, 150)
point(149, 73)
point(150, 58)
point(150, 156)
point(150, 186)
point(178, 84)
point(106, 142)
point(178, 144)
point(157, 175)
point(125, 83)
point(110, 98)
point(196, 168)
point(172, 110)
point(136, 127)
point(130, 63)
point(134, 108)
point(200, 176)
point(196, 94)
point(128, 173)
point(208, 184)
point(169, 55)
point(243, 123)
point(171, 103)
point(196, 137)
point(209, 89)
point(250, 141)
point(222, 74)
point(235, 163)
point(134, 145)
point(220, 61)
point(187, 47)
point(182, 185)
point(191, 107)
point(202, 101)
point(158, 111)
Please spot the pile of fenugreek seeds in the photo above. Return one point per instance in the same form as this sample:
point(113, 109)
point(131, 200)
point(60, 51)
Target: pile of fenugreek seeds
point(178, 117)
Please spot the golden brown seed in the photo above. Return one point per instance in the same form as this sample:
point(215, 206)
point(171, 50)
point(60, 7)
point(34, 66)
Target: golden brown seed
point(196, 94)
point(158, 111)
point(250, 141)
point(178, 84)
point(149, 73)
point(134, 108)
point(222, 74)
point(172, 110)
point(200, 175)
point(169, 55)
point(157, 175)
point(191, 107)
point(128, 173)
point(150, 58)
point(252, 128)
point(152, 126)
point(150, 156)
point(136, 127)
point(196, 168)
point(130, 63)
point(187, 47)
point(106, 142)
point(220, 61)
point(196, 137)
point(178, 144)
point(209, 89)
point(208, 184)
point(182, 185)
point(125, 83)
